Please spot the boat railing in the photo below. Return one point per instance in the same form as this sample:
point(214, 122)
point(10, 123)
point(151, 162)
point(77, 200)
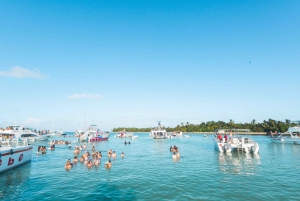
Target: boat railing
point(15, 142)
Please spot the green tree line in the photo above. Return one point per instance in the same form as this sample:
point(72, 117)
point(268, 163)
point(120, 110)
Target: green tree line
point(210, 126)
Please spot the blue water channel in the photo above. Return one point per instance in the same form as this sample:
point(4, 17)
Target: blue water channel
point(147, 172)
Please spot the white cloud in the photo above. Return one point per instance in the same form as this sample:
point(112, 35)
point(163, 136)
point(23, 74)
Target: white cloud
point(32, 122)
point(85, 96)
point(19, 72)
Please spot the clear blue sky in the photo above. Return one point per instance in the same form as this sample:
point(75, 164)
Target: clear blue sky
point(131, 63)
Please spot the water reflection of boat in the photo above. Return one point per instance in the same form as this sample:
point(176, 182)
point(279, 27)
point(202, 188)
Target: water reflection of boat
point(11, 181)
point(235, 163)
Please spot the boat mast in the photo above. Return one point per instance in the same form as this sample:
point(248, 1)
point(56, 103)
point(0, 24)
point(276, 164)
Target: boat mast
point(84, 122)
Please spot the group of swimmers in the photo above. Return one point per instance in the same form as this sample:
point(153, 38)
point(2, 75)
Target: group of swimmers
point(93, 159)
point(41, 149)
point(175, 151)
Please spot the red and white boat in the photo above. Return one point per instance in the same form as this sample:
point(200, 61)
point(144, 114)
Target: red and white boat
point(94, 134)
point(100, 136)
point(12, 156)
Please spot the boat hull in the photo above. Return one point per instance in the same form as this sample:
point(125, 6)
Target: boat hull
point(14, 156)
point(286, 140)
point(97, 139)
point(236, 145)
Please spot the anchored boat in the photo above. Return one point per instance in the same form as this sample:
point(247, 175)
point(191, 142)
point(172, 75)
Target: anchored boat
point(176, 134)
point(291, 136)
point(234, 142)
point(14, 154)
point(19, 133)
point(159, 133)
point(94, 134)
point(124, 134)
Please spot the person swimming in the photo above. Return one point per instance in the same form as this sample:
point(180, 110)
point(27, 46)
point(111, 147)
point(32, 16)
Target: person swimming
point(75, 160)
point(96, 161)
point(114, 155)
point(76, 151)
point(68, 165)
point(108, 164)
point(109, 153)
point(86, 160)
point(174, 156)
point(90, 163)
point(82, 159)
point(122, 154)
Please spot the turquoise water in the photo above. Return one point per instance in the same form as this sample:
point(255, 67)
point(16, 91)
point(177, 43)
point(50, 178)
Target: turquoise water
point(147, 172)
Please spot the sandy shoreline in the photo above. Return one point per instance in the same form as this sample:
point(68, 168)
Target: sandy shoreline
point(211, 133)
point(251, 133)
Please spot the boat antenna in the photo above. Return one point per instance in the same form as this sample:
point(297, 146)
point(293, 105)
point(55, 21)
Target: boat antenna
point(84, 121)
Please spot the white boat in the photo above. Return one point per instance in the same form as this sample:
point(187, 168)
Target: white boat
point(124, 134)
point(291, 136)
point(204, 135)
point(19, 132)
point(186, 135)
point(176, 134)
point(159, 133)
point(236, 143)
point(53, 133)
point(134, 137)
point(61, 132)
point(14, 154)
point(78, 133)
point(94, 134)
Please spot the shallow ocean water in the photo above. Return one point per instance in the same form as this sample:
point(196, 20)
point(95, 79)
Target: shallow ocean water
point(147, 172)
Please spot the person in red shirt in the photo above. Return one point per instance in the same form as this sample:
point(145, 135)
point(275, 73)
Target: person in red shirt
point(219, 137)
point(225, 137)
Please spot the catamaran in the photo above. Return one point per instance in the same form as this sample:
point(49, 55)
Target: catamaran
point(234, 142)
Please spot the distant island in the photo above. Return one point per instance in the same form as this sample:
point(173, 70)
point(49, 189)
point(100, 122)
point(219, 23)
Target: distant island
point(210, 126)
